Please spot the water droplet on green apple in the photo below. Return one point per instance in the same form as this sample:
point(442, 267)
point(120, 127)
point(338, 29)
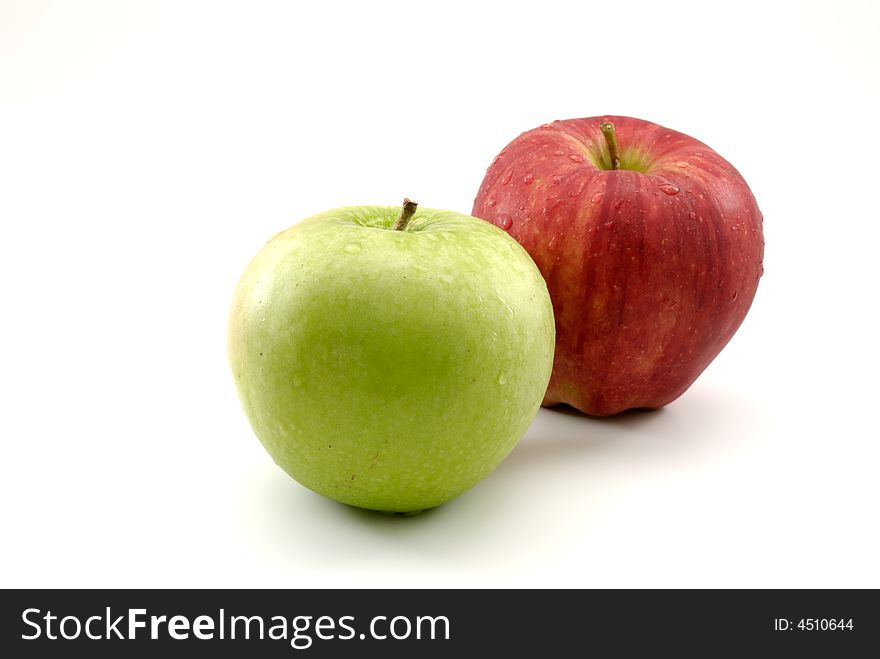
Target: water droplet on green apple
point(502, 379)
point(353, 248)
point(447, 278)
point(668, 188)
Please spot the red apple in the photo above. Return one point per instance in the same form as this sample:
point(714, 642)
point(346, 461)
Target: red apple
point(652, 248)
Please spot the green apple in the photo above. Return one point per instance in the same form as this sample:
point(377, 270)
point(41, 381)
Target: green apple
point(390, 358)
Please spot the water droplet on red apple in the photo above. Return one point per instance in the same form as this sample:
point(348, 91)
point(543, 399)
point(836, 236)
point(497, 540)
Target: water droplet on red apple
point(683, 164)
point(506, 178)
point(497, 158)
point(506, 221)
point(559, 152)
point(546, 126)
point(491, 203)
point(668, 188)
point(575, 158)
point(692, 215)
point(597, 197)
point(735, 294)
point(556, 179)
point(528, 178)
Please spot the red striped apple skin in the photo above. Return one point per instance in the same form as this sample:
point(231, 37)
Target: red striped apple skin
point(650, 272)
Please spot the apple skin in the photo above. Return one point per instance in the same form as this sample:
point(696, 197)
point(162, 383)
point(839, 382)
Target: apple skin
point(391, 370)
point(650, 272)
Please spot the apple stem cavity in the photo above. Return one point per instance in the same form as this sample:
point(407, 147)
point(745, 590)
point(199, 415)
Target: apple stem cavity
point(611, 140)
point(406, 212)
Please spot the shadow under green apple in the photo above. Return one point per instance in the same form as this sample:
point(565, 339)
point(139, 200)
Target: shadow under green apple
point(563, 476)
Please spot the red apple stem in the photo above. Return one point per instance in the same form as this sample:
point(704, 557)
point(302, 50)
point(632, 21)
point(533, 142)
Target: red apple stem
point(406, 212)
point(611, 140)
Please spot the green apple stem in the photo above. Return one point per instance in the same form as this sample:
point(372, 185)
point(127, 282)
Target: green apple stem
point(611, 140)
point(406, 212)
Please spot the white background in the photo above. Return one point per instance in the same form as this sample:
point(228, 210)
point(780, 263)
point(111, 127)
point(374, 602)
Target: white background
point(147, 151)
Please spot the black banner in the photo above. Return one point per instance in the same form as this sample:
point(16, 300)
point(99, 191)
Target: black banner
point(436, 623)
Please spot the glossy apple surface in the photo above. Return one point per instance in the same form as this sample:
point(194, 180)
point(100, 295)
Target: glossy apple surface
point(651, 267)
point(387, 369)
